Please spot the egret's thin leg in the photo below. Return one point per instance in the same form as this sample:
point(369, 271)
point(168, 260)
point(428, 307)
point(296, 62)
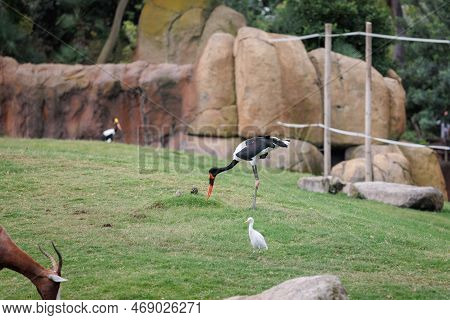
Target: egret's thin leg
point(255, 172)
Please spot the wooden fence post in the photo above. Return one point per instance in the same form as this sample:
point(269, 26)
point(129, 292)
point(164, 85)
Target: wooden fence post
point(368, 106)
point(327, 102)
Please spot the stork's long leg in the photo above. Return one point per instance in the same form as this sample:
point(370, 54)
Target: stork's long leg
point(255, 172)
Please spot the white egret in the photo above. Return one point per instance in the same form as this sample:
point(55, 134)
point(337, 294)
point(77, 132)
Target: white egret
point(256, 238)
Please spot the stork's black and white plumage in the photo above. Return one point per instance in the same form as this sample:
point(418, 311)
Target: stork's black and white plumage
point(250, 150)
point(108, 135)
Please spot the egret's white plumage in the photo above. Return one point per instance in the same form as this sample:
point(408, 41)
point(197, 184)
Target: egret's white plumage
point(256, 238)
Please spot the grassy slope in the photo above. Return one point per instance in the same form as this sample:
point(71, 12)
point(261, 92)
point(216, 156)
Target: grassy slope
point(166, 247)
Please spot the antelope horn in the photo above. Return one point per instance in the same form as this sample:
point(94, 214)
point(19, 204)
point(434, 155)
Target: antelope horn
point(54, 265)
point(60, 260)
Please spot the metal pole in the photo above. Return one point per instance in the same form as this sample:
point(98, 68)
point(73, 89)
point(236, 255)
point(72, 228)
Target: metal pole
point(368, 107)
point(327, 102)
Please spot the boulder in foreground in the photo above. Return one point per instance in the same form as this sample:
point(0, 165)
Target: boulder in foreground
point(323, 287)
point(400, 195)
point(425, 168)
point(327, 184)
point(389, 167)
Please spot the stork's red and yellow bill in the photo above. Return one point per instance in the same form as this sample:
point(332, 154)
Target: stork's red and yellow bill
point(211, 185)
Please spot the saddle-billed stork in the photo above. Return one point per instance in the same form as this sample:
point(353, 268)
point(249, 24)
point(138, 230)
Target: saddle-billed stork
point(249, 150)
point(108, 135)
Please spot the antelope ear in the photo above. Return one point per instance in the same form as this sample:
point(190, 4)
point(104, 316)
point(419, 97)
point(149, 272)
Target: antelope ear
point(56, 278)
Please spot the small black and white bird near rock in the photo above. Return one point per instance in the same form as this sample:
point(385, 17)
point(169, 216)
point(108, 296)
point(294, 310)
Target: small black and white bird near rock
point(108, 135)
point(250, 150)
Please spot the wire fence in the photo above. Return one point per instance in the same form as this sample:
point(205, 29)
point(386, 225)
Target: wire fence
point(358, 134)
point(361, 135)
point(360, 33)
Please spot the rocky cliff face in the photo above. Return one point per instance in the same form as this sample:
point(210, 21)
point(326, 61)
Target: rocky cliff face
point(215, 98)
point(78, 102)
point(238, 87)
point(240, 84)
point(275, 82)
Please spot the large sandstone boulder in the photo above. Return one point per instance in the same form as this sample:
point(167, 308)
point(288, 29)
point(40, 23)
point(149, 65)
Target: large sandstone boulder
point(325, 287)
point(358, 151)
point(389, 167)
point(79, 102)
point(172, 31)
point(274, 82)
point(397, 96)
point(425, 168)
point(216, 111)
point(221, 20)
point(300, 90)
point(258, 85)
point(393, 75)
point(301, 156)
point(222, 148)
point(400, 195)
point(347, 91)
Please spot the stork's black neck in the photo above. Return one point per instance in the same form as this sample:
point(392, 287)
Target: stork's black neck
point(216, 171)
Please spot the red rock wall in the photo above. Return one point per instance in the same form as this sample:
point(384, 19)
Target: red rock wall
point(79, 102)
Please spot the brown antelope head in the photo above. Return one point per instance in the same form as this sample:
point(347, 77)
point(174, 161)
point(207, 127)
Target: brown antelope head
point(47, 281)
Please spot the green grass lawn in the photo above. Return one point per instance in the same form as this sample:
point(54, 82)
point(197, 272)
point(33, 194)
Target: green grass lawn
point(160, 246)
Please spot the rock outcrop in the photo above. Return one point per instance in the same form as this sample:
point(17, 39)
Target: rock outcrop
point(79, 101)
point(321, 184)
point(238, 87)
point(324, 287)
point(215, 111)
point(221, 20)
point(400, 195)
point(177, 31)
point(274, 82)
point(388, 167)
point(222, 148)
point(301, 156)
point(358, 151)
point(425, 168)
point(347, 90)
point(397, 97)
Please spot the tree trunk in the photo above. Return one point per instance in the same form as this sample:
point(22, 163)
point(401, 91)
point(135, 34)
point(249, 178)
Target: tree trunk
point(114, 34)
point(416, 128)
point(397, 14)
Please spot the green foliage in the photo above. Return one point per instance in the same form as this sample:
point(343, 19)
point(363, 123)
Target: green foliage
point(302, 17)
point(308, 16)
point(259, 13)
point(65, 31)
point(426, 70)
point(130, 31)
point(411, 136)
point(15, 34)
